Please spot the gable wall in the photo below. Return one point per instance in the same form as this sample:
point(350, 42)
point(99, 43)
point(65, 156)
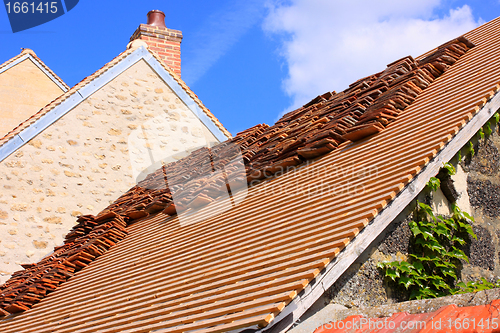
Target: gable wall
point(24, 89)
point(78, 165)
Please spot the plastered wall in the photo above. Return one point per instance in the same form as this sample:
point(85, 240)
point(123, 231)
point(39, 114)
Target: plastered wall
point(24, 89)
point(80, 164)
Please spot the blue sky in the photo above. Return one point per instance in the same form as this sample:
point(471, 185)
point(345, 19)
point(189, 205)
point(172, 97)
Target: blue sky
point(250, 61)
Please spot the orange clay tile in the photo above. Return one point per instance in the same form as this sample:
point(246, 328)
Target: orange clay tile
point(242, 267)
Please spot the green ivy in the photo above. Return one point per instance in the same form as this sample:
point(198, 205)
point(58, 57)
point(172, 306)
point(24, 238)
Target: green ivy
point(471, 149)
point(451, 169)
point(432, 270)
point(487, 129)
point(475, 286)
point(434, 183)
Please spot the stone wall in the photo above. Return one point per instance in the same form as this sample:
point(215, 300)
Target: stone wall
point(81, 163)
point(477, 182)
point(24, 89)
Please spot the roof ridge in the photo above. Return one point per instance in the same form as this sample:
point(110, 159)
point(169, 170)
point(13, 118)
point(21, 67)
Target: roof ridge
point(188, 90)
point(32, 54)
point(25, 124)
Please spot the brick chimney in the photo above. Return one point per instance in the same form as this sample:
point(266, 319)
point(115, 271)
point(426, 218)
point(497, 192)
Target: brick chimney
point(164, 41)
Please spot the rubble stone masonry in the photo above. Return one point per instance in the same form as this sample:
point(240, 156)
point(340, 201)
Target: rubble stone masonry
point(79, 165)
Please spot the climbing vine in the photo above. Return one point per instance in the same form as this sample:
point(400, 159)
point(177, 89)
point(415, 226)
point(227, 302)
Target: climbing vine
point(433, 268)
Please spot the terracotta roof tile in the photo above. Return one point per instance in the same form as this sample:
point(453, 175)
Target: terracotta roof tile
point(366, 108)
point(279, 238)
point(450, 318)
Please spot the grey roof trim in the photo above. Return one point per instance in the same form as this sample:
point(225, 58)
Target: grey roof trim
point(183, 95)
point(80, 95)
point(364, 239)
point(37, 64)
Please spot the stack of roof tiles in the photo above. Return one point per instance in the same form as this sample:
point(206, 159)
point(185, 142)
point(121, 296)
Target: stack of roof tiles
point(91, 238)
point(326, 123)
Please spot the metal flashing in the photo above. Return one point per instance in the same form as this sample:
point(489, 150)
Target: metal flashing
point(112, 73)
point(44, 70)
point(80, 95)
point(15, 62)
point(37, 64)
point(183, 95)
point(51, 117)
point(364, 239)
point(11, 146)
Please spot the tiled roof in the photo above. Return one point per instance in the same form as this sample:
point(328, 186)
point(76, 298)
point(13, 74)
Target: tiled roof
point(450, 318)
point(242, 267)
point(30, 52)
point(30, 121)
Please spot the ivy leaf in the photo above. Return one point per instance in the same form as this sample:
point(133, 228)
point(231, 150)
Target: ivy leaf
point(468, 229)
point(415, 230)
point(458, 239)
point(481, 133)
point(487, 129)
point(451, 222)
point(457, 253)
point(451, 169)
point(471, 149)
point(406, 281)
point(418, 266)
point(497, 117)
point(438, 282)
point(393, 274)
point(442, 229)
point(434, 183)
point(467, 216)
point(405, 267)
point(432, 244)
point(448, 271)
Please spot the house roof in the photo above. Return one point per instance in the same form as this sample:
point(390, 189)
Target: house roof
point(450, 318)
point(67, 101)
point(261, 264)
point(30, 54)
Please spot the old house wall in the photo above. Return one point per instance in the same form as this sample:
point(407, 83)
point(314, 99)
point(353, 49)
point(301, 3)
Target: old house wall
point(81, 163)
point(24, 89)
point(478, 183)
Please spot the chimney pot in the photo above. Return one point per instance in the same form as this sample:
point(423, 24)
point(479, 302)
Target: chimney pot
point(165, 42)
point(156, 18)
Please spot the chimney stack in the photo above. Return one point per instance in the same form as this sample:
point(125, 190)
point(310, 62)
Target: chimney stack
point(165, 42)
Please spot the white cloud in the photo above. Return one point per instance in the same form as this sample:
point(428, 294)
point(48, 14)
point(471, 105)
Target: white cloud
point(217, 34)
point(329, 44)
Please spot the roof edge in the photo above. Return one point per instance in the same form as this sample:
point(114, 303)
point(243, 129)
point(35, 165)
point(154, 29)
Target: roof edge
point(379, 223)
point(39, 63)
point(66, 102)
point(191, 94)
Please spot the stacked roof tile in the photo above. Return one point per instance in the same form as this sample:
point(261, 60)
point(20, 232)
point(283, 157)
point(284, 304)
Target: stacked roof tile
point(88, 240)
point(365, 108)
point(241, 268)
